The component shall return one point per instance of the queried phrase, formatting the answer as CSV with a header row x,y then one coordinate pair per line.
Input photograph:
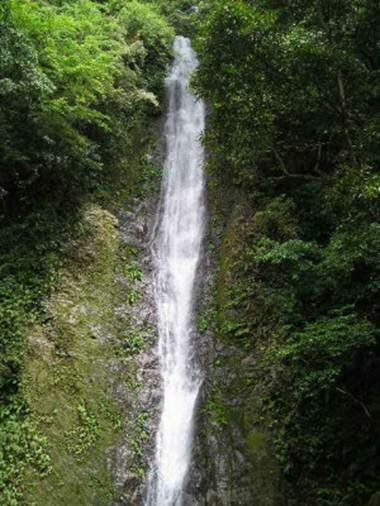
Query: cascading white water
x,y
176,253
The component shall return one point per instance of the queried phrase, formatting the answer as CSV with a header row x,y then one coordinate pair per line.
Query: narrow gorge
x,y
189,253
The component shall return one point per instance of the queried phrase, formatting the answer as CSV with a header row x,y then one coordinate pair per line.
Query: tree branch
x,y
318,162
288,174
363,406
3,193
345,114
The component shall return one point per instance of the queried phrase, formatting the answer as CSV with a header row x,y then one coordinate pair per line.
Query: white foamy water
x,y
176,253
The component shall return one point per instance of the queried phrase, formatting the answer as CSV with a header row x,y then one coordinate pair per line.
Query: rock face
x,y
90,375
375,500
139,399
234,462
130,459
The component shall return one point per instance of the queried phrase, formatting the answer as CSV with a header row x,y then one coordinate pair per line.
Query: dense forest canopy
x,y
293,134
294,125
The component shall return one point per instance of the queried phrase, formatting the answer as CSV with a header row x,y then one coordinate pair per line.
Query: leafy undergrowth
x,y
306,386
31,250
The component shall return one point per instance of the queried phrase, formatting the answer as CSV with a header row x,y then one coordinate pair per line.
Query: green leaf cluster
x,y
76,76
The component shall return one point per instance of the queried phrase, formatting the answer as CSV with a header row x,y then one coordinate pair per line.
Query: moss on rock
x,y
235,436
66,377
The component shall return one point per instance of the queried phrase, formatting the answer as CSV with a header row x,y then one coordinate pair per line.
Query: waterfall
x,y
176,253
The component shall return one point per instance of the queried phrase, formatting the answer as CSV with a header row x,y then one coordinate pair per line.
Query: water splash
x,y
176,254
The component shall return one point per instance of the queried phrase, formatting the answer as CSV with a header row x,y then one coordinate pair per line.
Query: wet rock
x,y
141,392
249,362
131,480
375,500
100,334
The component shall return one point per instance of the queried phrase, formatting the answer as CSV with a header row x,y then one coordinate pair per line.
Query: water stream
x,y
176,253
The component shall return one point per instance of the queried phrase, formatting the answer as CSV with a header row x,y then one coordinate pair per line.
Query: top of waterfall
x,y
181,42
185,60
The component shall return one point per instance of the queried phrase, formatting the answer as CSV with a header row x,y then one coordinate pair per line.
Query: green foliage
x,y
29,255
315,371
79,58
21,445
133,272
216,409
79,76
144,22
325,346
293,128
139,439
84,435
79,82
308,313
289,91
135,341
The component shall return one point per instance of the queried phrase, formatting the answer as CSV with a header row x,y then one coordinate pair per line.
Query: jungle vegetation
x,y
293,134
79,84
294,130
